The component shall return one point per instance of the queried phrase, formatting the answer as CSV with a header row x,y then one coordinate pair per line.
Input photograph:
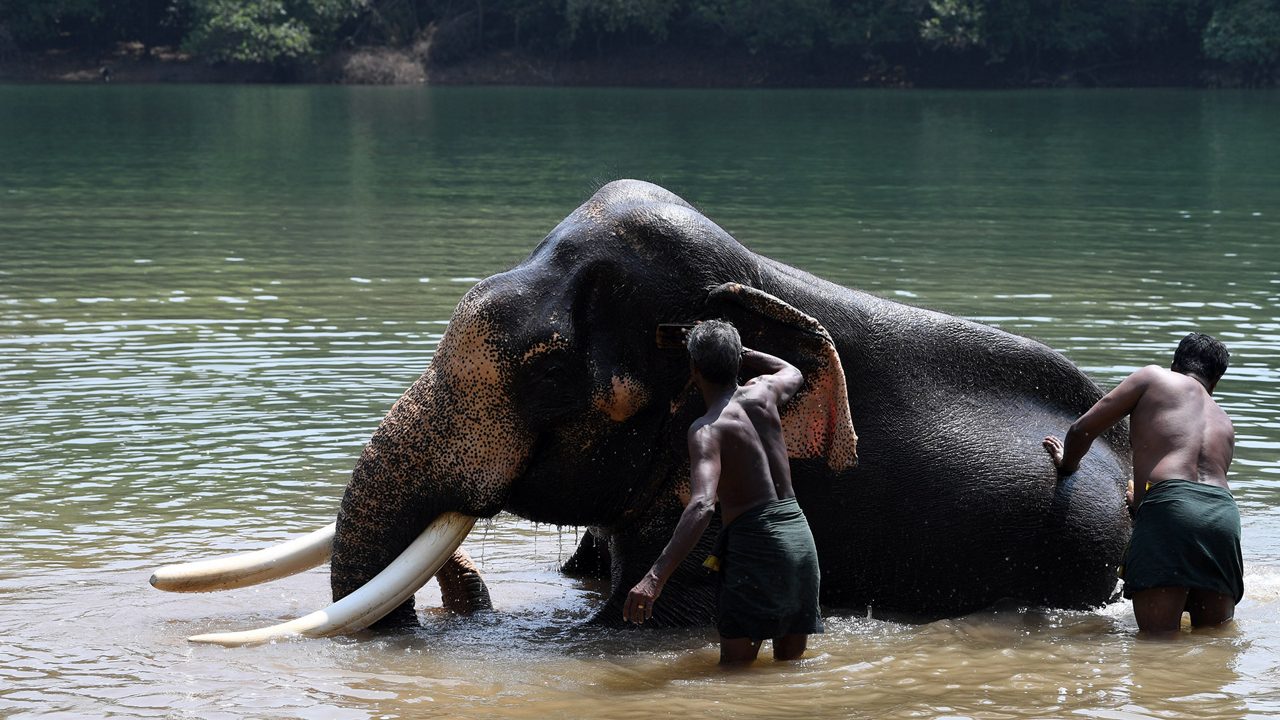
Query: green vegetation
x,y
941,42
1246,36
266,31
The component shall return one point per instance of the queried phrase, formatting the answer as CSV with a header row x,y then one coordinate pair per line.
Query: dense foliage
x,y
934,41
266,30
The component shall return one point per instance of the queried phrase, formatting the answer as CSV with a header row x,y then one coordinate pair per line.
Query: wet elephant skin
x,y
549,398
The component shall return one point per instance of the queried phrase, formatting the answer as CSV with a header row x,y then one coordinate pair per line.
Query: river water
x,y
210,295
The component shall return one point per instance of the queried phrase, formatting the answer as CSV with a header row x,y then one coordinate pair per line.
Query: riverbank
x,y
626,67
128,62
131,63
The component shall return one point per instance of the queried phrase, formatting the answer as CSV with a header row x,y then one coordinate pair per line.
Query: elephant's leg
x,y
591,559
462,590
689,597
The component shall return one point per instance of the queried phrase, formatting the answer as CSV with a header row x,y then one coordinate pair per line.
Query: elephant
x,y
550,397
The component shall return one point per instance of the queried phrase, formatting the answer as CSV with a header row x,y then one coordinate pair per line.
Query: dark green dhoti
x,y
769,574
1185,534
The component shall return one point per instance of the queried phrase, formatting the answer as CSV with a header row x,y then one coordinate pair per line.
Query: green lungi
x,y
1185,534
769,574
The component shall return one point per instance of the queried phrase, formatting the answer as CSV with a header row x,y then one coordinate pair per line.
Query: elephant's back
x,y
950,416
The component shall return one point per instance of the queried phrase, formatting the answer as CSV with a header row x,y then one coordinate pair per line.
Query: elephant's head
x,y
548,396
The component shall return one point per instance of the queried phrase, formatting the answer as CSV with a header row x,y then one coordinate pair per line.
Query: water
x,y
210,295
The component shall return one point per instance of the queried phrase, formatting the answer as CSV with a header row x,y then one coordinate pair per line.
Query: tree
x,y
790,26
955,24
1245,35
35,23
615,16
267,32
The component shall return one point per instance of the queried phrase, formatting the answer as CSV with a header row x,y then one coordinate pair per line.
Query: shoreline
x,y
130,63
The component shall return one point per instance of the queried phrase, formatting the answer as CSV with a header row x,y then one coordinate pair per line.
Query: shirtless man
x,y
1185,551
769,566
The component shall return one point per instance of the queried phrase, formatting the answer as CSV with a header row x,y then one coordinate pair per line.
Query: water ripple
x,y
202,321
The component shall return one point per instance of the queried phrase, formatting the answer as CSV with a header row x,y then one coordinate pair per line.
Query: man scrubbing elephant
x,y
737,455
1185,552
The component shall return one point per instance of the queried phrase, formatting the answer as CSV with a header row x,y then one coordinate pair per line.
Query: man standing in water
x,y
769,565
1185,551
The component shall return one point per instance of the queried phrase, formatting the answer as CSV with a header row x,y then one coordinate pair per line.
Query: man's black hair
x,y
716,350
1202,355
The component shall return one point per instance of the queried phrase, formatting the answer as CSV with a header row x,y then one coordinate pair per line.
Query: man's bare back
x,y
745,432
1176,429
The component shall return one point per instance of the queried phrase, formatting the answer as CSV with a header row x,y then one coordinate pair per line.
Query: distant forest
x,y
847,42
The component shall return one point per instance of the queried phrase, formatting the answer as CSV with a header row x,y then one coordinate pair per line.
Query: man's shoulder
x,y
1163,389
755,392
1149,376
1159,378
707,427
1152,371
702,425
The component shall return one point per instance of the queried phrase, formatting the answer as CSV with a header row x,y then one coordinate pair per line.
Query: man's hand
x,y
1053,446
640,600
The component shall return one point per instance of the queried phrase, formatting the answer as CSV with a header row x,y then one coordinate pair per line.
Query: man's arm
x,y
704,478
780,376
1098,419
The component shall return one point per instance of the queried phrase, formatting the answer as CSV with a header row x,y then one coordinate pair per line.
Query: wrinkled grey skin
x,y
549,398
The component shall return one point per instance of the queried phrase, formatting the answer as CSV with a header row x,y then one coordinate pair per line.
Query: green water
x,y
210,295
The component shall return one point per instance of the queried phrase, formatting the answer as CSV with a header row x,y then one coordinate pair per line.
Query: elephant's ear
x,y
816,423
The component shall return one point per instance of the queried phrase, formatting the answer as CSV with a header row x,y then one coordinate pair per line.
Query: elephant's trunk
x,y
446,454
451,443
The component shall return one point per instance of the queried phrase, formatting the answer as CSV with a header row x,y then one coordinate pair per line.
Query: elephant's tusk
x,y
237,571
384,593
